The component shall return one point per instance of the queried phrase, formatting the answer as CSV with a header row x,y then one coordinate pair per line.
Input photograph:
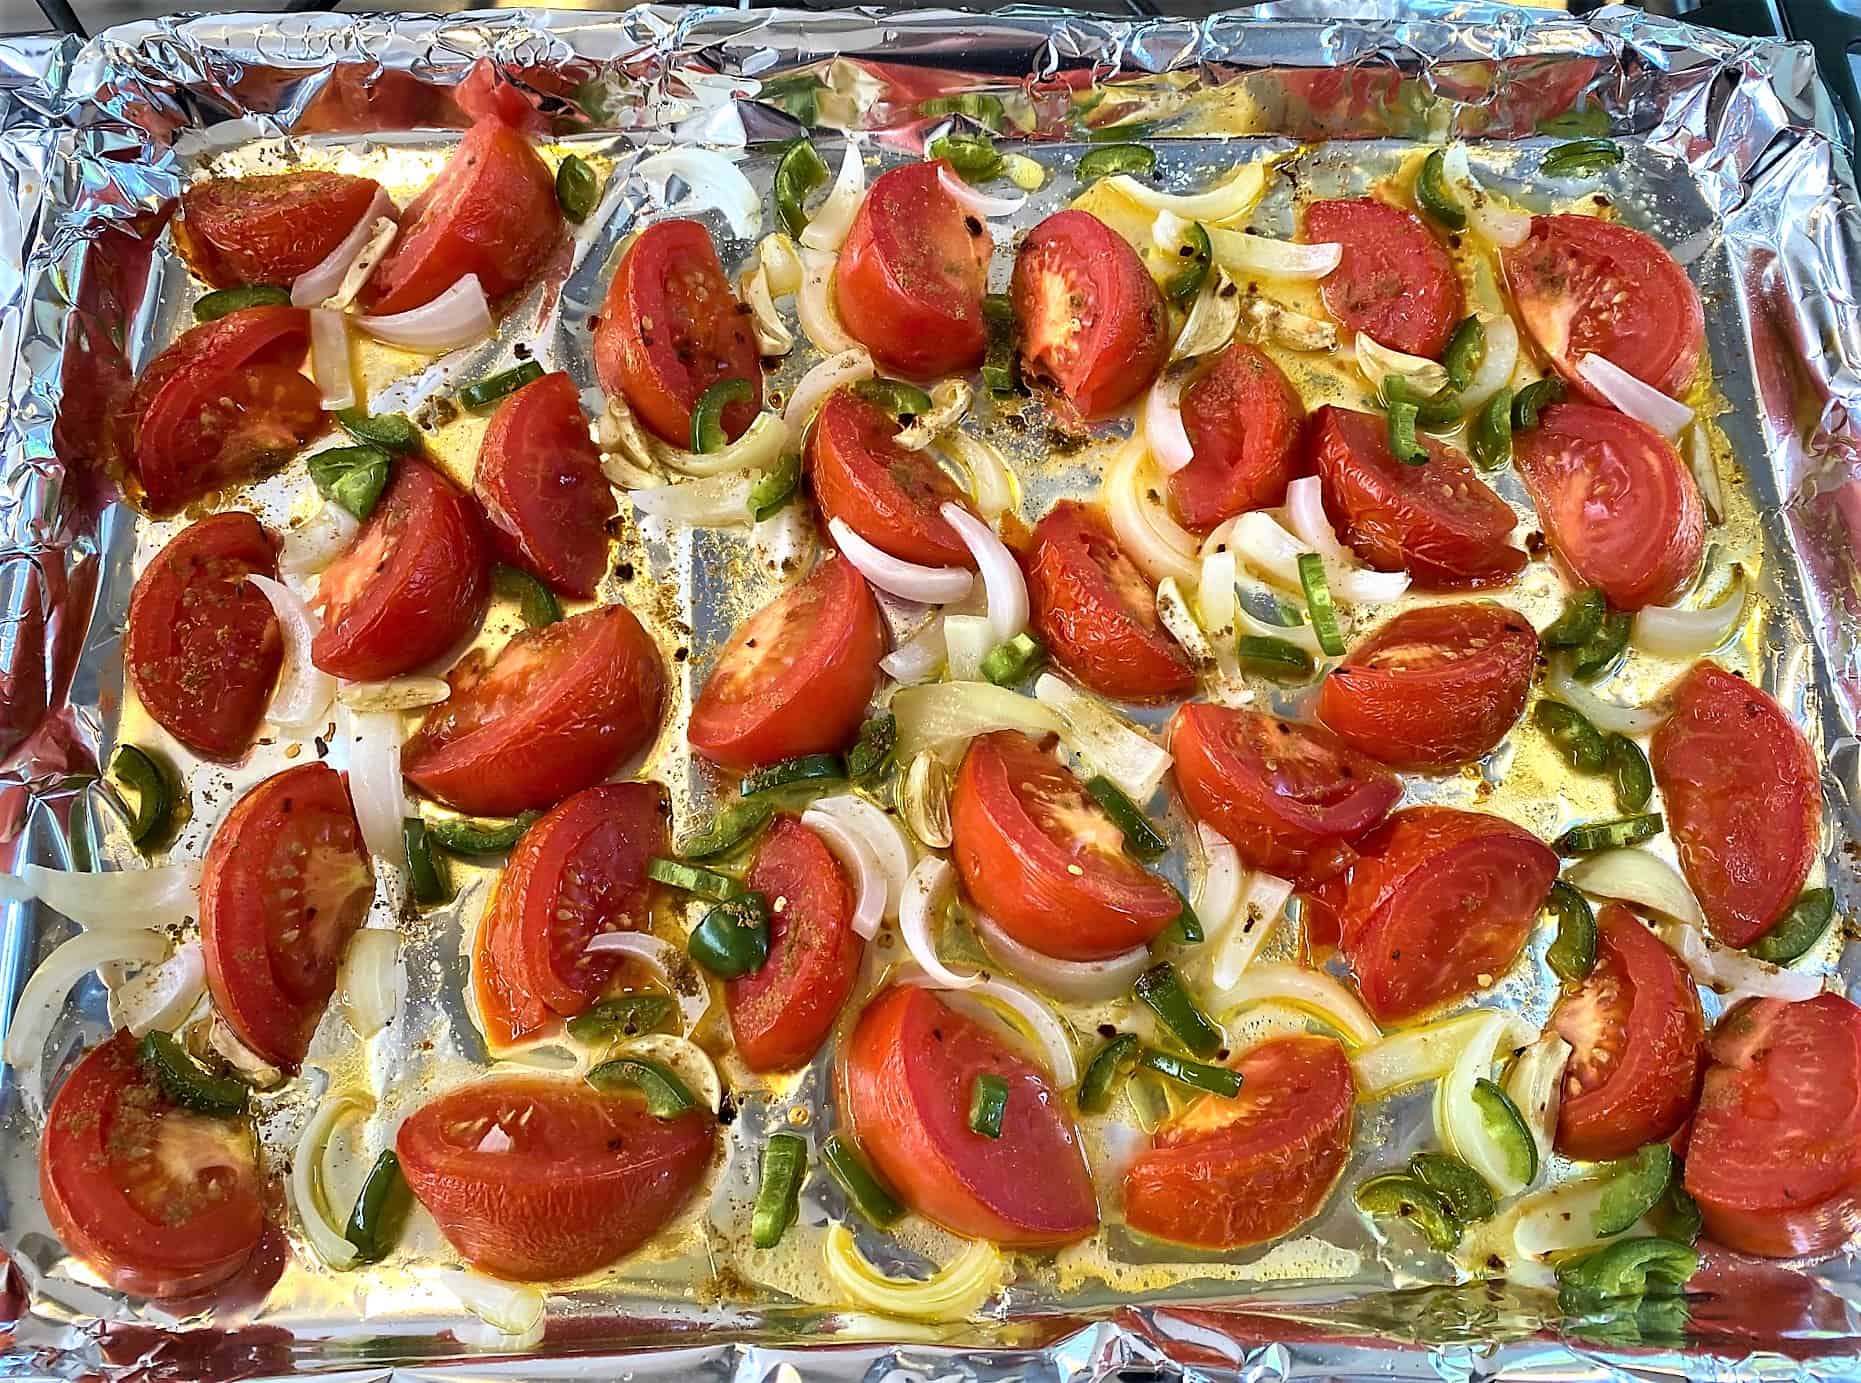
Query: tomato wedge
x,y
539,480
904,1080
161,1202
1092,321
910,278
578,1180
1396,283
1743,800
1433,688
1243,420
796,676
1095,611
1232,1172
670,328
1439,521
1637,1042
1290,797
888,495
202,647
1042,858
285,884
507,1013
559,709
269,228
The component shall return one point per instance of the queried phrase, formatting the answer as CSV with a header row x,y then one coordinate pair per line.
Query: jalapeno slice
x,y
1398,1195
1801,927
1014,660
984,107
1433,196
625,1015
577,188
536,603
1280,659
895,396
1466,349
187,1082
1464,1189
707,415
427,876
1597,654
1161,990
1579,743
973,156
733,938
871,1197
1581,158
479,837
809,768
381,1210
1592,836
1508,1130
1137,160
390,431
733,826
1625,1269
1492,432
488,391
1634,777
1198,1075
689,878
1140,837
873,753
799,171
988,1101
215,305
778,1194
352,477
1577,625
1001,366
1635,1186
1318,602
1533,399
152,784
666,1095
775,487
1107,1072
1677,1216
1572,952
1403,445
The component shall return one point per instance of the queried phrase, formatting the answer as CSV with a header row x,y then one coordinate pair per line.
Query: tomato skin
x,y
1041,857
1243,419
540,483
588,1178
557,710
1289,797
1092,320
1435,687
796,676
1396,281
910,278
884,493
1616,501
269,228
1637,1039
1234,1172
903,1080
412,584
671,328
1743,800
1096,612
202,647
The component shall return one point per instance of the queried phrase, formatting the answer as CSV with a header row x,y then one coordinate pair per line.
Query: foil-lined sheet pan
x,y
1739,158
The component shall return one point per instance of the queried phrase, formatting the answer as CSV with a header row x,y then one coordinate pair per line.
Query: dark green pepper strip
x,y
1636,1185
1572,952
215,305
479,837
1533,399
381,1210
1198,1075
799,172
1001,367
1599,653
1014,661
488,391
427,876
1280,659
1138,160
1508,1128
730,828
1440,409
1581,158
1466,350
809,768
1161,991
984,107
1579,743
776,486
1140,837
1677,1215
778,1194
1577,625
577,188
798,94
1625,1269
1432,194
352,477
535,601
1318,602
872,1198
1464,1189
871,756
895,396
733,938
988,1101
1185,928
666,1095
1403,444
1492,432
1800,928
153,785
1107,1072
1634,778
688,878
1592,836
1401,1196
1197,254
390,431
188,1083
707,415
973,156
625,1015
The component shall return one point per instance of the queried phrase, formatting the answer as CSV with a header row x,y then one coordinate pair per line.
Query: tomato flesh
x,y
887,494
271,227
1243,419
1396,283
540,483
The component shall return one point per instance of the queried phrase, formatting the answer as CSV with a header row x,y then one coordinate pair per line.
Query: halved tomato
x,y
1242,417
559,709
1396,283
1042,858
796,676
887,494
271,227
1240,1171
202,647
910,278
1637,1042
1743,799
1433,688
539,480
160,1201
1290,797
285,884
905,1077
578,1180
1092,321
1438,521
412,584
670,328
1096,612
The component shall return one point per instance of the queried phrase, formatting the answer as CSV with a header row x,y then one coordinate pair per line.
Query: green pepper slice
x,y
1492,432
1677,1216
352,477
1572,952
1198,1075
667,1097
536,603
973,156
1592,836
1185,929
984,107
1433,196
1531,401
733,938
1577,625
486,392
1626,1268
1581,158
1508,1130
1466,350
1001,367
1403,444
1106,160
1197,256
381,1210
187,1082
479,837
871,1197
871,756
895,396
689,878
799,171
988,1101
1107,1072
1438,410
625,1015
152,784
1801,927
707,415
1397,1195
809,768
1014,660
577,188
1579,743
1161,990
776,486
1599,653
427,876
731,827
1634,777
1280,659
215,305
778,1194
392,432
1636,1185
1323,610
1464,1189
1140,837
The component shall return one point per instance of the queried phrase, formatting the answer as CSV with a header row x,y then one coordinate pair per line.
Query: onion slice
x,y
1496,365
1260,907
316,285
828,228
161,996
1600,712
814,304
973,199
1223,876
1223,202
510,1308
304,690
42,998
1245,254
1500,224
1084,981
318,541
1001,574
1414,1056
966,642
1312,991
457,317
950,400
1305,509
329,357
811,390
1536,1083
1164,432
712,181
1037,1019
368,987
1149,535
895,576
1273,552
1668,631
759,448
692,994
1130,758
1213,319
943,717
991,484
887,843
1731,972
395,694
1637,876
954,1292
1458,1121
1379,362
918,657
855,852
372,742
926,892
772,334
1641,401
306,1181
162,895
717,501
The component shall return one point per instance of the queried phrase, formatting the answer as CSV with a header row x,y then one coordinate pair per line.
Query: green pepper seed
x,y
1572,952
381,1210
577,188
486,392
1801,927
733,938
536,603
213,306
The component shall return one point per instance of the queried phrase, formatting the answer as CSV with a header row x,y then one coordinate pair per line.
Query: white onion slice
x,y
693,995
759,448
973,199
161,996
1223,202
318,541
1458,1122
304,689
918,657
1313,991
1629,394
395,694
1127,756
315,285
1305,508
1149,535
1561,1218
1413,1056
1500,224
1179,622
895,576
685,1059
814,304
1379,362
369,985
943,717
1603,714
772,334
1164,432
1243,253
966,642
811,390
950,400
717,501
827,229
329,357
124,899
926,892
1273,552
1261,905
713,181
1668,631
1731,972
1001,574
306,1182
1084,981
457,317
781,263
991,484
1705,470
888,844
1536,1084
1223,877
1213,318
852,849
509,1308
42,998
1496,365
1040,1021
1637,876
372,741
380,241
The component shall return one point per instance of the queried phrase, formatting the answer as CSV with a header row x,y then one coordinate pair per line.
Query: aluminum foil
x,y
1734,155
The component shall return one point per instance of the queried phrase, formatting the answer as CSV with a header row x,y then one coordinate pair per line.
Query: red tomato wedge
x,y
1439,904
796,676
1243,419
491,212
507,1013
1234,1172
1433,688
888,495
904,1080
202,647
1743,800
558,710
1290,797
411,586
1616,501
539,480
161,1202
1637,1040
269,228
1043,859
1586,286
1774,1159
781,1014
224,401
1439,521
1096,612
580,1180
1092,321
670,328
1396,283
910,278
285,884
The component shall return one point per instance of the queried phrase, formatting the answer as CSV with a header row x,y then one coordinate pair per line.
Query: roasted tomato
x,y
796,676
1242,417
910,279
579,1179
507,1013
1233,1172
539,480
1743,800
888,495
269,228
1433,688
1396,283
285,884
904,1081
203,647
1042,858
559,709
1097,613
